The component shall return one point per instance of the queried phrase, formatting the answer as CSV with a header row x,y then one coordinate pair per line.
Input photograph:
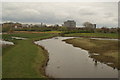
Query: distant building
x,y
25,25
94,26
38,25
70,23
12,25
56,25
17,25
89,25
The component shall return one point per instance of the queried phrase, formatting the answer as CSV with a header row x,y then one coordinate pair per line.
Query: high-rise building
x,y
70,23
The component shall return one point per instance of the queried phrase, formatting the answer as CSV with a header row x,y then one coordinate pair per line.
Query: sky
x,y
100,13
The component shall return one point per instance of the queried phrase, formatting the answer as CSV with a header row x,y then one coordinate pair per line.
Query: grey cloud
x,y
52,13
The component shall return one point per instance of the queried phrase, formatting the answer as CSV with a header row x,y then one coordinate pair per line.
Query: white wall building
x,y
25,25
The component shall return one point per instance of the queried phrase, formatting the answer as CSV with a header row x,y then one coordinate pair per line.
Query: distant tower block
x,y
70,23
94,26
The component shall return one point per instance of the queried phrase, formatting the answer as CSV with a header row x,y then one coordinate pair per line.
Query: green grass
x,y
33,36
54,31
103,35
107,49
24,59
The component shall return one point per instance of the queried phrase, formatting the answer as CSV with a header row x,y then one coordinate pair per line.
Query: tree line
x,y
89,28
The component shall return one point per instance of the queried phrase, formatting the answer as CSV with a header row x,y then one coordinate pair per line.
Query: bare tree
x,y
88,26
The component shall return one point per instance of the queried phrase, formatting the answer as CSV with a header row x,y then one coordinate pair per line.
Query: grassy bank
x,y
107,49
25,59
101,35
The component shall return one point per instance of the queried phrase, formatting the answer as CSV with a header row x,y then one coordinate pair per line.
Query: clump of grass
x,y
101,35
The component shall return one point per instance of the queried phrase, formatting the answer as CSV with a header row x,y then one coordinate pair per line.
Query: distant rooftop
x,y
70,20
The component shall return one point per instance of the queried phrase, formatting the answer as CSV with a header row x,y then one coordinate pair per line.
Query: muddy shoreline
x,y
92,37
46,54
100,57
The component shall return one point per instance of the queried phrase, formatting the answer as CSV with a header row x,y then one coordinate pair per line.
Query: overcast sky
x,y
100,13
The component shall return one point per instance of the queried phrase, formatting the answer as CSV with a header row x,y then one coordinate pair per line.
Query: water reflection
x,y
95,62
66,61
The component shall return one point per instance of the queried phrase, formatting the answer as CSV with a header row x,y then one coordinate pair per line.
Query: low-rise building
x,y
25,25
12,25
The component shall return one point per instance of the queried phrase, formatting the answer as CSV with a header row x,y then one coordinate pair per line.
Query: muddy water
x,y
66,61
